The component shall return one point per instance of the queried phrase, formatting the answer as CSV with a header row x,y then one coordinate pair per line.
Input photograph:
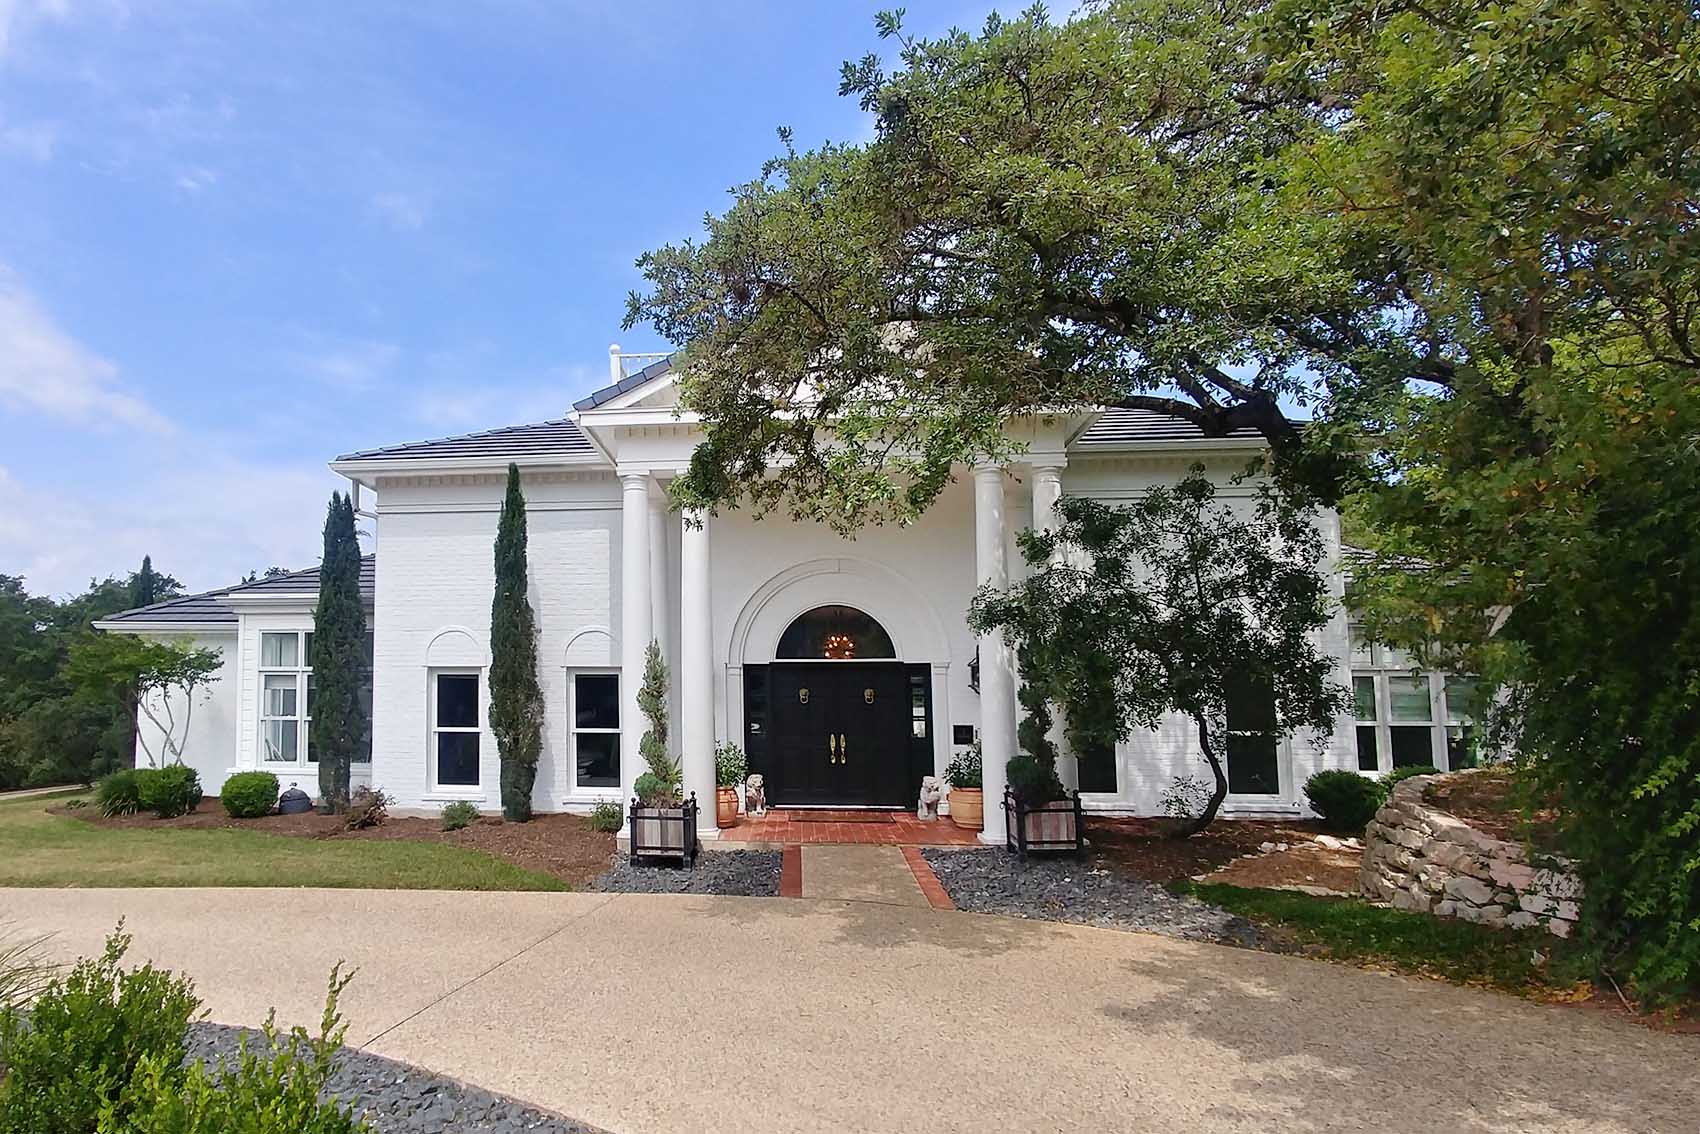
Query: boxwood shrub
x,y
118,793
169,791
249,795
459,814
1346,800
1406,771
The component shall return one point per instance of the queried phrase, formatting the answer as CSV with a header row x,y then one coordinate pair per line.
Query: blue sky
x,y
238,239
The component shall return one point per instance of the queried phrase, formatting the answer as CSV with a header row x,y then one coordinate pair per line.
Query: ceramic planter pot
x,y
967,807
725,807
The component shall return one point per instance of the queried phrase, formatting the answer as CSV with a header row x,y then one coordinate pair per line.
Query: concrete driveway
x,y
647,1013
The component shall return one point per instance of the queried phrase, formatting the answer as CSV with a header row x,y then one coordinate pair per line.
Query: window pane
x,y
1412,746
1463,704
457,759
835,632
1098,768
310,687
278,651
278,742
457,700
366,648
1253,764
279,697
1363,651
598,759
1363,696
1460,747
363,753
596,700
1407,697
1369,758
307,652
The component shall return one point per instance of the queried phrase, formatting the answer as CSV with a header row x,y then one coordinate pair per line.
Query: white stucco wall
x,y
210,742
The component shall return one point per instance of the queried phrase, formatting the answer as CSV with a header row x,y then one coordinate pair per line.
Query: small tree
x,y
339,647
516,699
660,785
155,674
1178,602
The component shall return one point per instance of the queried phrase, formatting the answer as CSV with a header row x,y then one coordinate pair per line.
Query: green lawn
x,y
38,849
1528,962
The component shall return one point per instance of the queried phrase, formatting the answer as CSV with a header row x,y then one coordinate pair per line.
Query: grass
x,y
1527,962
38,849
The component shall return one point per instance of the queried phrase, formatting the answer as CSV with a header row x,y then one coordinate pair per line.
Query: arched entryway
x,y
839,719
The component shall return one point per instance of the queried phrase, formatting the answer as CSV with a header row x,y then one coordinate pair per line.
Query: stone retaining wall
x,y
1418,857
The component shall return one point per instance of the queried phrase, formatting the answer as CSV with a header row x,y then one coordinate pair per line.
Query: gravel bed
x,y
398,1098
1059,889
739,873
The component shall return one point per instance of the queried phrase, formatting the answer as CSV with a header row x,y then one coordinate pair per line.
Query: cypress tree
x,y
516,699
144,585
339,641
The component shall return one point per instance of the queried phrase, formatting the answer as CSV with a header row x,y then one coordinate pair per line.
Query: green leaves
x,y
339,649
516,698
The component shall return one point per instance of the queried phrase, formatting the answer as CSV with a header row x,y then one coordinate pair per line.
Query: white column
x,y
635,622
997,672
660,617
696,668
1047,490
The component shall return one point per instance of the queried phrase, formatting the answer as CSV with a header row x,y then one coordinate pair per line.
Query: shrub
x,y
249,795
1186,797
118,793
606,816
653,791
1346,800
459,814
964,770
368,807
74,1052
1032,779
730,765
1405,772
169,791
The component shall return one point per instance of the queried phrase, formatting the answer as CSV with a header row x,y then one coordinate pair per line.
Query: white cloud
x,y
45,371
357,365
34,140
404,212
196,178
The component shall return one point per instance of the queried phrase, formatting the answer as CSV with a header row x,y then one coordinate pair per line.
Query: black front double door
x,y
841,734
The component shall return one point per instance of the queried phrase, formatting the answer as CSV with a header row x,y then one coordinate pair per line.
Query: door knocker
x,y
803,696
868,696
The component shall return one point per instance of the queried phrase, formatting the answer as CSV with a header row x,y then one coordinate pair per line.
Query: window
x,y
1407,716
595,715
286,698
1254,766
455,730
835,633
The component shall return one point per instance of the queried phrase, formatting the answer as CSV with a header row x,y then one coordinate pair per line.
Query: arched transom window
x,y
835,633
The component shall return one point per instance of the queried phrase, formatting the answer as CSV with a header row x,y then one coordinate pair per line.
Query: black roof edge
x,y
630,382
221,592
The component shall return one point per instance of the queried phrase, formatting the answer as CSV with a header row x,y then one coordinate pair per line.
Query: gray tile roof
x,y
211,609
629,382
1131,426
543,438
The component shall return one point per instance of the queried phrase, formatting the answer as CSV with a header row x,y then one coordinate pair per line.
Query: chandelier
x,y
838,647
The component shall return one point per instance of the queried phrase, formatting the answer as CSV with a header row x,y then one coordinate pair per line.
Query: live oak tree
x,y
340,722
1181,605
516,699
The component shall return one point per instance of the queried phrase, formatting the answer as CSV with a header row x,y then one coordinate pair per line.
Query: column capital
x,y
985,469
633,477
1048,464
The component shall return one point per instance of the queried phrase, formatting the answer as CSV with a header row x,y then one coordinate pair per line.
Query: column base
x,y
988,838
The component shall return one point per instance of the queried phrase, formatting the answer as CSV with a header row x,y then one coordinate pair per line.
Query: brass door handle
x,y
831,749
843,749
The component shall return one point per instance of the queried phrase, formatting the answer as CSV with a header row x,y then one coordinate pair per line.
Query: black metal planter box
x,y
665,832
1054,826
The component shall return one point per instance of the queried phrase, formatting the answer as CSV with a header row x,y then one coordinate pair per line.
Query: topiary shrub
x,y
459,815
1032,779
118,793
249,795
1346,800
1405,772
169,791
368,807
606,816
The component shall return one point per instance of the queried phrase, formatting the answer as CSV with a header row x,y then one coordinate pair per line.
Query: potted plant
x,y
662,825
967,806
730,768
1039,814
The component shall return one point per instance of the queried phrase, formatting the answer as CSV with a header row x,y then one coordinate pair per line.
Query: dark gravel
x,y
741,873
397,1098
1063,889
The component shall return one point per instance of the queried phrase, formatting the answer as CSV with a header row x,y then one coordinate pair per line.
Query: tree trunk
x,y
1216,769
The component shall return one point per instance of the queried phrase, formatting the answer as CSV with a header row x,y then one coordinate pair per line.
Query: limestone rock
x,y
1471,890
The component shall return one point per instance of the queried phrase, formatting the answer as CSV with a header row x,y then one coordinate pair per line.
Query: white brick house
x,y
783,637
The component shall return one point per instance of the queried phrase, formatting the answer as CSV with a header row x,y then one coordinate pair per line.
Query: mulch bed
x,y
1495,803
1146,849
560,845
1303,865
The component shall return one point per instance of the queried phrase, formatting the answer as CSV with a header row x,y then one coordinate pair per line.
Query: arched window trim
x,y
835,632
